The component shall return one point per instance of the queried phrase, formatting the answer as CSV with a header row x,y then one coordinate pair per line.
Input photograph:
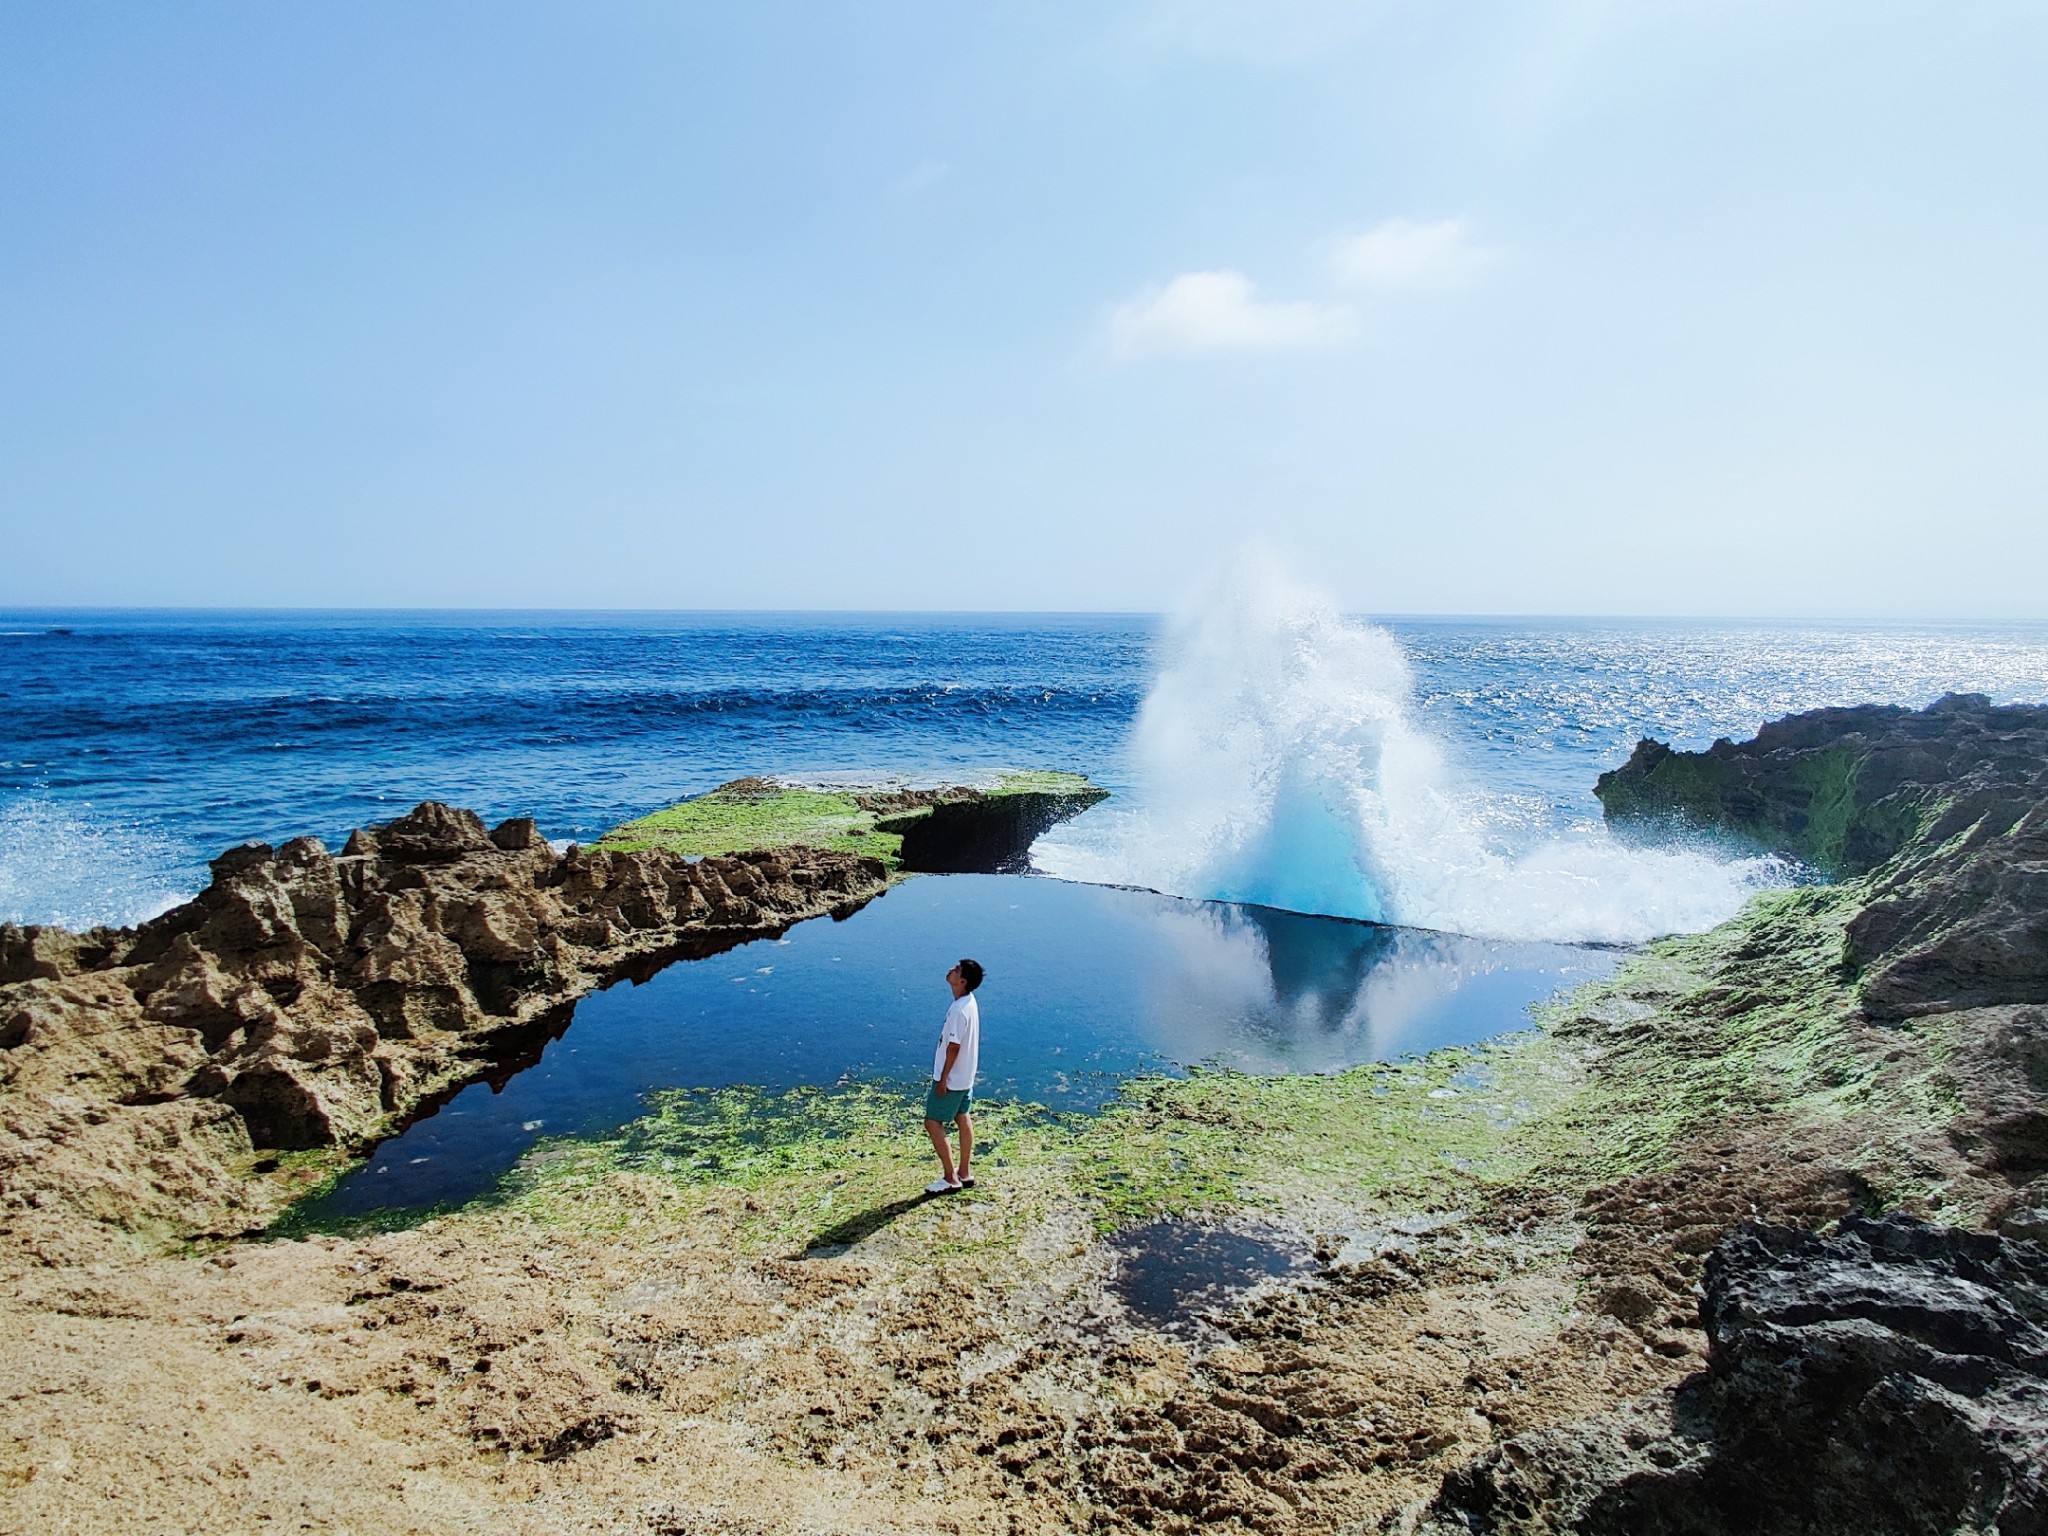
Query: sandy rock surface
x,y
310,1000
643,1368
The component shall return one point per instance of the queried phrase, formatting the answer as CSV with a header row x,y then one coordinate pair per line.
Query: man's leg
x,y
937,1132
966,1146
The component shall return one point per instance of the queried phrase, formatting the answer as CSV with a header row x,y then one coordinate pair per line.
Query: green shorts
x,y
946,1107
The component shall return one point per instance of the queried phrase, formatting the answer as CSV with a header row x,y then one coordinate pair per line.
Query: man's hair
x,y
970,972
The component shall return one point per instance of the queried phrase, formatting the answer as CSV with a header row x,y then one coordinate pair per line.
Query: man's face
x,y
956,981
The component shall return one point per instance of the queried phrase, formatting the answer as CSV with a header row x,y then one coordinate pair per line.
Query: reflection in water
x,y
1318,967
1087,986
1262,990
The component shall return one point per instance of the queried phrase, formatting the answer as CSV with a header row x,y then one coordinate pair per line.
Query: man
x,y
952,1090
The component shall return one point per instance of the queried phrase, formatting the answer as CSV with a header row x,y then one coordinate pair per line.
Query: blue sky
x,y
1637,307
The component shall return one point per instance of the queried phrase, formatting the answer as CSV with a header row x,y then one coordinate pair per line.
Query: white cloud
x,y
1210,312
1407,253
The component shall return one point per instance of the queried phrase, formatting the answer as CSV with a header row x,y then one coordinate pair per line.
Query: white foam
x,y
65,864
1276,760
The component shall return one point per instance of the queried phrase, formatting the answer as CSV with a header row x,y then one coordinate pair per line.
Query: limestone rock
x,y
304,999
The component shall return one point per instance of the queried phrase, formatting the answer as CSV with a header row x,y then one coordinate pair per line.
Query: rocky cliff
x,y
1945,808
1842,789
306,999
950,832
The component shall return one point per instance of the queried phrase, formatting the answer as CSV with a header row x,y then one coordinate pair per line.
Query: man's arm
x,y
952,1055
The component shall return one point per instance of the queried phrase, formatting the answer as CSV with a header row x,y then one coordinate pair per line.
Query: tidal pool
x,y
1087,986
1172,1274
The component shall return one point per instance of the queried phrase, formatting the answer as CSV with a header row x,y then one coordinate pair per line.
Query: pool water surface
x,y
1087,986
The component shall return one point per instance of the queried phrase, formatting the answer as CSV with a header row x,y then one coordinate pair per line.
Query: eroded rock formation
x,y
1845,789
1947,807
1890,1377
306,999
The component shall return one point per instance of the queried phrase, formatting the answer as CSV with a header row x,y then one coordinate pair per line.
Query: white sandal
x,y
941,1187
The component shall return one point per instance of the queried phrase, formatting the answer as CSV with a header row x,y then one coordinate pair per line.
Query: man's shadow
x,y
844,1234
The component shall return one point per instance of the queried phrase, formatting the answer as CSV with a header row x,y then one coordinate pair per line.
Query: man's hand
x,y
952,1055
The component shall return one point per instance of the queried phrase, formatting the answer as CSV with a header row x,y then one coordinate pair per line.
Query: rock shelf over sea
x,y
1746,1239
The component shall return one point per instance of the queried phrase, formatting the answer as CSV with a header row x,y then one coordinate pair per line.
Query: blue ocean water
x,y
136,745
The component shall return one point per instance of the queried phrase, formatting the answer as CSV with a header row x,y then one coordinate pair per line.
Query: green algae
x,y
805,1169
1755,1019
1758,1019
741,820
826,1167
1817,807
752,814
1427,1133
1043,781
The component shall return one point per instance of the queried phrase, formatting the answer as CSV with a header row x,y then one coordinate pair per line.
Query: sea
x,y
1331,838
136,745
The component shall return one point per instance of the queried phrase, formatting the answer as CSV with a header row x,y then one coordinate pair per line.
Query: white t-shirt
x,y
963,1025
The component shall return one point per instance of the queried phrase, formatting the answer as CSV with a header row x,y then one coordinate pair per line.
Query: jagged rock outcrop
x,y
1944,809
308,999
1843,789
1891,1378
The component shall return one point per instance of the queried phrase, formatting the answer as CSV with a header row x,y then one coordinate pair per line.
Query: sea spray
x,y
64,864
1276,760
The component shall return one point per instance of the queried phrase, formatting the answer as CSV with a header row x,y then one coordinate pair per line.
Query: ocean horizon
x,y
138,743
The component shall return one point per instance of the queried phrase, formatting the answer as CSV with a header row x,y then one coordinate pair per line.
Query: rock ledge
x,y
306,1000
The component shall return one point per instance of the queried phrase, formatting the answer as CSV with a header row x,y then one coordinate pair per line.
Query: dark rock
x,y
433,832
1892,1377
521,832
1943,810
981,833
1842,789
241,857
281,1110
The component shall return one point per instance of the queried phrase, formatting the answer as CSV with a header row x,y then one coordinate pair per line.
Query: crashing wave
x,y
1277,761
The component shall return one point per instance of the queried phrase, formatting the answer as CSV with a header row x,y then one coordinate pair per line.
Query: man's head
x,y
964,977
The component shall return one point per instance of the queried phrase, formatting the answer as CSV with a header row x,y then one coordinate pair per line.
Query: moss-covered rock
x,y
1841,789
960,829
1943,811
